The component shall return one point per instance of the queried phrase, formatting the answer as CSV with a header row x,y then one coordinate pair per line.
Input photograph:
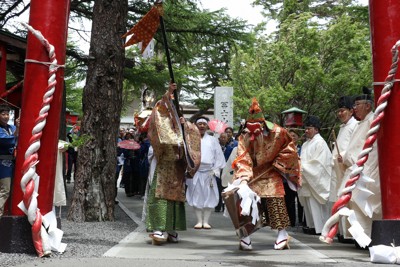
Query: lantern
x,y
293,117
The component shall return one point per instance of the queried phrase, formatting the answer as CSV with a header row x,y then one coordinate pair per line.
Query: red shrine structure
x,y
293,117
51,19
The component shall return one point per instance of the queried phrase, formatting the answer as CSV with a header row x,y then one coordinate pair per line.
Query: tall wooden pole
x,y
169,62
385,32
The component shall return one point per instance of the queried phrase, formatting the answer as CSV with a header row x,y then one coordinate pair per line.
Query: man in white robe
x,y
348,123
316,160
363,107
202,190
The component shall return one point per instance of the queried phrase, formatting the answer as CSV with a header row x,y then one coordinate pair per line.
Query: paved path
x,y
217,247
220,245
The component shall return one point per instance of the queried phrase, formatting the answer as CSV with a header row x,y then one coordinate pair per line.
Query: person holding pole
x,y
366,197
348,123
165,195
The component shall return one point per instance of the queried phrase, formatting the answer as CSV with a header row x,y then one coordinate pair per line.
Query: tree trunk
x,y
94,189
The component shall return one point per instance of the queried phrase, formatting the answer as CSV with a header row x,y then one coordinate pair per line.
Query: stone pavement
x,y
219,246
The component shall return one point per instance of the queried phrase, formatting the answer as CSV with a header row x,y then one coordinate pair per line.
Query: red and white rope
x,y
30,181
331,226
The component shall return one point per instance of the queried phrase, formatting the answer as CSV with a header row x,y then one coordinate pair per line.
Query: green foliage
x,y
323,9
75,73
201,44
78,140
320,52
10,78
304,65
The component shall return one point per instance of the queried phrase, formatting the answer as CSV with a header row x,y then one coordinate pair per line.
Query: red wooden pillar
x,y
3,68
51,19
385,32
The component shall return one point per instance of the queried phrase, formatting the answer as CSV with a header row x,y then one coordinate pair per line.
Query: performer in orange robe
x,y
266,156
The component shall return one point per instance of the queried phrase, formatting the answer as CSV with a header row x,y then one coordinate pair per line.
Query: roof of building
x,y
294,109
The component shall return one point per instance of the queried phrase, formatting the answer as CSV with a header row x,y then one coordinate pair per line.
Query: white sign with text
x,y
223,105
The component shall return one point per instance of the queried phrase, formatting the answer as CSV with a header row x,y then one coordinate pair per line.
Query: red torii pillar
x,y
3,68
385,32
51,19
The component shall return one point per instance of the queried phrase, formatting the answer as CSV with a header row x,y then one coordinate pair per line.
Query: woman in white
x,y
202,191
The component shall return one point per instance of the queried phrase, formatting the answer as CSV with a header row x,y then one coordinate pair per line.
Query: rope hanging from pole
x,y
332,224
41,233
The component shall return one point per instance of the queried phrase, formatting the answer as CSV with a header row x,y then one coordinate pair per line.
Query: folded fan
x,y
217,126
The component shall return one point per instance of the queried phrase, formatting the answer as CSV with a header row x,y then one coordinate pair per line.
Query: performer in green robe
x,y
164,217
165,202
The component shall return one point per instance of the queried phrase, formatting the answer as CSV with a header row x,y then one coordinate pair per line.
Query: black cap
x,y
345,102
366,95
312,121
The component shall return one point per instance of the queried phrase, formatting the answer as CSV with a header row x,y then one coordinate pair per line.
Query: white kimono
x,y
338,169
202,191
60,197
316,160
371,169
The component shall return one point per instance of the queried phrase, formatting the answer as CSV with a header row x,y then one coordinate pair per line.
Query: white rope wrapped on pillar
x,y
42,231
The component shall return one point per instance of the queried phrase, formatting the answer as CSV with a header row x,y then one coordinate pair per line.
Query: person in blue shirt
x,y
8,136
231,143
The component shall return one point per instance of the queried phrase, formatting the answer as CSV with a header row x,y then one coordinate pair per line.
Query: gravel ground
x,y
84,240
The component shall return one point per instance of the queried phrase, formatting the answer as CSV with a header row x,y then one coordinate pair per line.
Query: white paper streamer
x,y
249,199
385,254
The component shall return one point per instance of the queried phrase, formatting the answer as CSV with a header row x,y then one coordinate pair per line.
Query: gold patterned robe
x,y
266,160
167,140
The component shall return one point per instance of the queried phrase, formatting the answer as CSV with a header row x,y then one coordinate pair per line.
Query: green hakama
x,y
164,215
